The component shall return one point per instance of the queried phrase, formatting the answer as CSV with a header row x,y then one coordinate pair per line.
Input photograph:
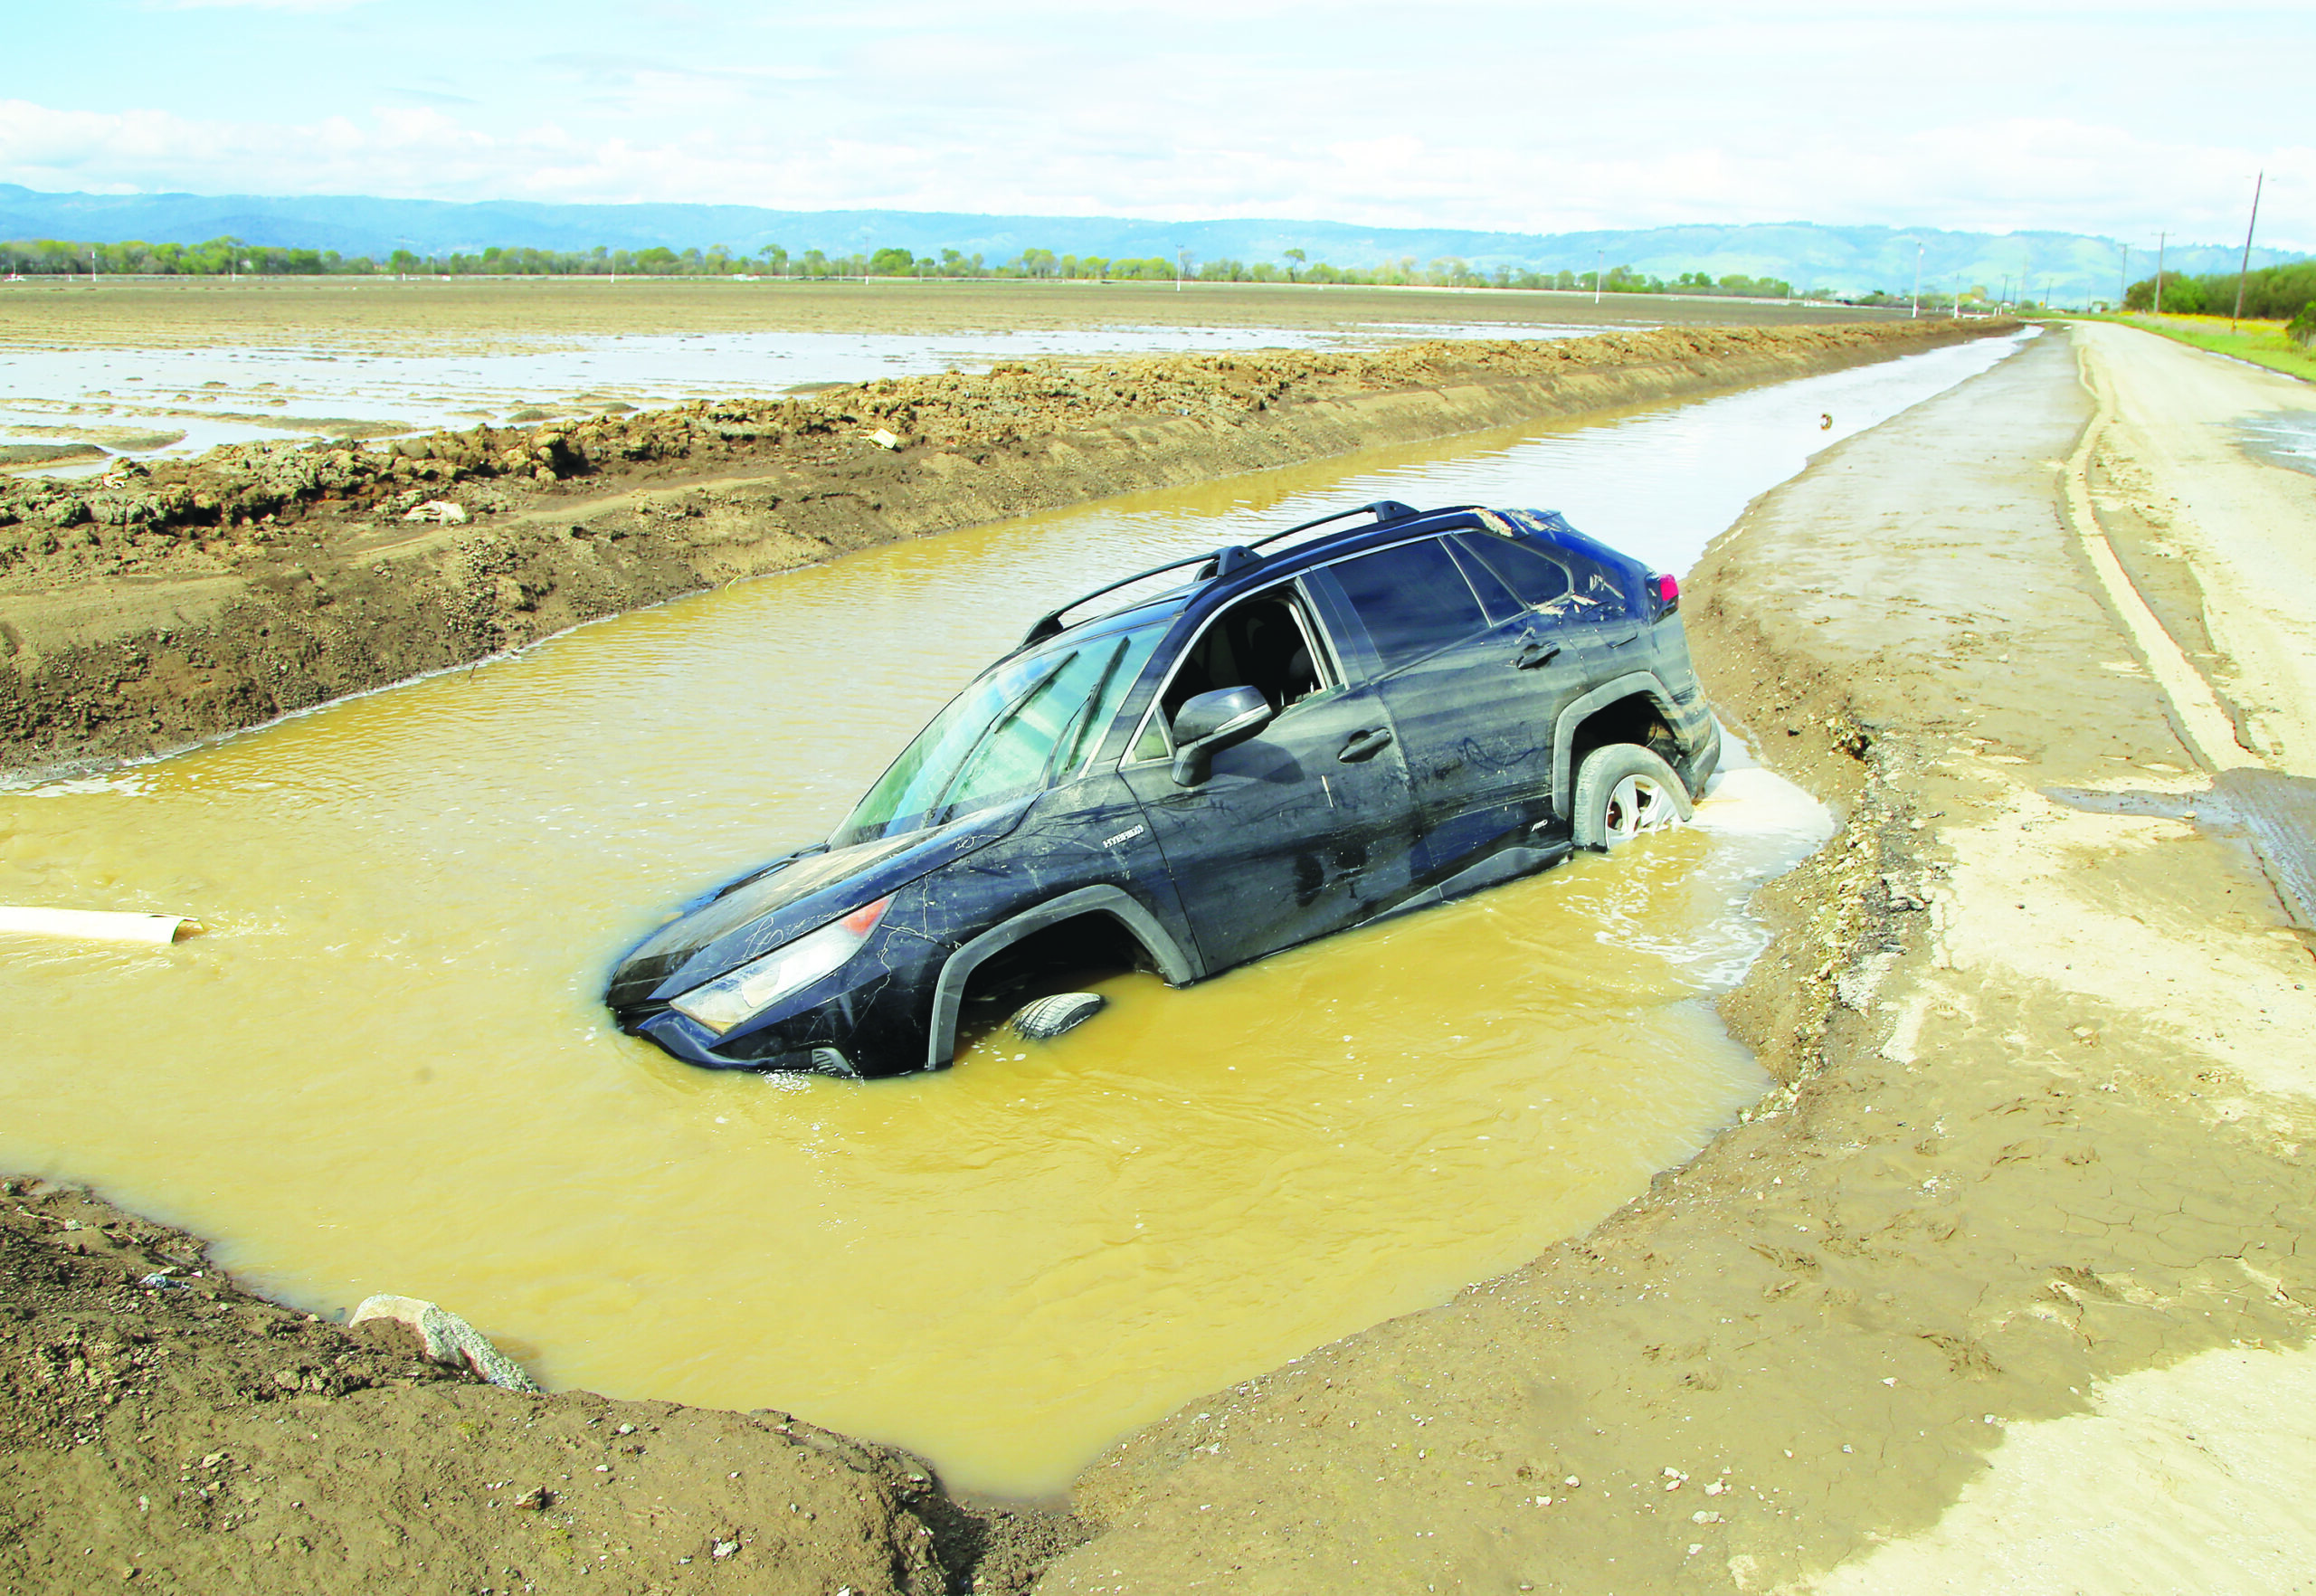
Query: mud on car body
x,y
1371,720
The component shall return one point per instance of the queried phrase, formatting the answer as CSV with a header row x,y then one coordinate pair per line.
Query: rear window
x,y
1413,600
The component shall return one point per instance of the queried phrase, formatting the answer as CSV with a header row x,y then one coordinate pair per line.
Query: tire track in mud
x,y
2275,811
2202,720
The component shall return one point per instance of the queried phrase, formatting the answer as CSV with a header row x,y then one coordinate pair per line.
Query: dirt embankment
x,y
149,608
160,1426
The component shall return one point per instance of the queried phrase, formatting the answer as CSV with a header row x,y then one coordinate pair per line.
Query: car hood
x,y
784,901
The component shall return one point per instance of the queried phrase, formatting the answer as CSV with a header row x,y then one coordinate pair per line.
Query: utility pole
x,y
2123,278
1916,311
2240,271
2160,240
1185,256
1598,256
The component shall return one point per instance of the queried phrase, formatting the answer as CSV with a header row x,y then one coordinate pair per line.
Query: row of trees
x,y
2273,293
221,257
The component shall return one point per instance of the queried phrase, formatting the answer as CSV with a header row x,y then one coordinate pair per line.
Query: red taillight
x,y
1668,593
863,920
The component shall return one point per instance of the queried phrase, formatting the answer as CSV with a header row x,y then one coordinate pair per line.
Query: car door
x,y
1452,676
1305,827
1603,617
1557,627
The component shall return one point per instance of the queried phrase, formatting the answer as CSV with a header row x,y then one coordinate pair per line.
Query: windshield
x,y
1004,738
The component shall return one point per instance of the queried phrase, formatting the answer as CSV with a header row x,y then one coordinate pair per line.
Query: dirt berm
x,y
149,608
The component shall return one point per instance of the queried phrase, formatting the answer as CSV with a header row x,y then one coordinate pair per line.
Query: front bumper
x,y
868,1017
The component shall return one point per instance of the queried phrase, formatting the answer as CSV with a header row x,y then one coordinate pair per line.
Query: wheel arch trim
x,y
1645,682
949,991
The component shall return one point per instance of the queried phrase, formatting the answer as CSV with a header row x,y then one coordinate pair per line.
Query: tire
x,y
1048,1017
1623,789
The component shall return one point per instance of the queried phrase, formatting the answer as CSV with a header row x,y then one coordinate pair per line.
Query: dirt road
x,y
2008,1288
2172,486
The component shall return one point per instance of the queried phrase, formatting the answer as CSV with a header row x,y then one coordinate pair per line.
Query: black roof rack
x,y
1223,561
1049,624
1383,510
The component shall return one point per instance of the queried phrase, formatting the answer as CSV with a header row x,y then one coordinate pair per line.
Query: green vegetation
x,y
2273,293
2272,344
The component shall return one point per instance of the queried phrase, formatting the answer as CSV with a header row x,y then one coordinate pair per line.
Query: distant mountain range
x,y
2072,268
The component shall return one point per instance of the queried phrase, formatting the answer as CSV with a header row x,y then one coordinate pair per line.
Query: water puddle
x,y
2275,813
385,1068
2286,438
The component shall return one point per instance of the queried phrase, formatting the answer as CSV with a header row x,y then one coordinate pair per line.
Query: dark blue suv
x,y
1332,725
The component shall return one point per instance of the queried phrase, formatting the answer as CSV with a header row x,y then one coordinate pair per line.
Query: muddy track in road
x,y
148,608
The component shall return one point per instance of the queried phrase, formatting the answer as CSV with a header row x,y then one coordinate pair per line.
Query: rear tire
x,y
1048,1017
1623,789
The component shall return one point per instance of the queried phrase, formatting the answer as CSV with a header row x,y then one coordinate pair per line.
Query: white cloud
x,y
1996,177
253,5
1495,114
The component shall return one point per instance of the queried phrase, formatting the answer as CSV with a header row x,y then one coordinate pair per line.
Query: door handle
x,y
1364,744
1532,654
1619,642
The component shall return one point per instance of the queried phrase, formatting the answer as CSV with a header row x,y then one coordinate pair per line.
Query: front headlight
x,y
761,983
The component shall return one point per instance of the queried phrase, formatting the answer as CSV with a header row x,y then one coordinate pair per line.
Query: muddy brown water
x,y
385,1068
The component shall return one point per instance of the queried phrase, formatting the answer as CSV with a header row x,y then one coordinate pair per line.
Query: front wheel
x,y
1048,1017
1623,789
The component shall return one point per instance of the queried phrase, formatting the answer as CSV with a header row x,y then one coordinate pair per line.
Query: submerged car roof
x,y
1224,572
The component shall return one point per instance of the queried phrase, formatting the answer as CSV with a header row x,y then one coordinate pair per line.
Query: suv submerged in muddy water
x,y
1373,719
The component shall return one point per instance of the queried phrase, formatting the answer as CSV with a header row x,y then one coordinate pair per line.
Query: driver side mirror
x,y
1211,722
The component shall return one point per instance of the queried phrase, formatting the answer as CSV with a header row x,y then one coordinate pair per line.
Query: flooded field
x,y
385,1067
149,403
153,370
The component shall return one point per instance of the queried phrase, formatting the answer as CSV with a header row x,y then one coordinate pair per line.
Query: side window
x,y
1265,641
1413,600
1534,577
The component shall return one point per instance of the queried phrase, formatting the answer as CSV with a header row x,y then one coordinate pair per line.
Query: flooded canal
x,y
385,1068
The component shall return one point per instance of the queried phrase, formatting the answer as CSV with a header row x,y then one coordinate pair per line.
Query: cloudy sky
x,y
2119,118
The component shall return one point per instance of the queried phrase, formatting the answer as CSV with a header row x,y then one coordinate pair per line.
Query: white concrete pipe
x,y
98,926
